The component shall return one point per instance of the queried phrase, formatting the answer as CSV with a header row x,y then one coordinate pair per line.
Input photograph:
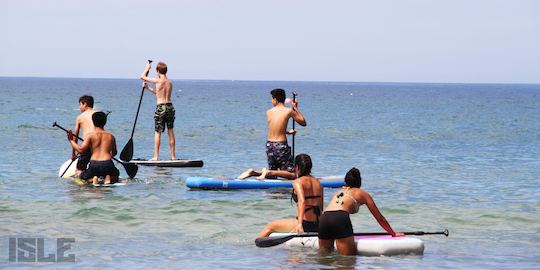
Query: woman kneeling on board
x,y
335,223
309,194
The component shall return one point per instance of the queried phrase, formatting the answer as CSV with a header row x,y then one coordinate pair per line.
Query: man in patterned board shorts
x,y
164,115
278,152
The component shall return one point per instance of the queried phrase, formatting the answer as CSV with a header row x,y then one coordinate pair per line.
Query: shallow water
x,y
434,156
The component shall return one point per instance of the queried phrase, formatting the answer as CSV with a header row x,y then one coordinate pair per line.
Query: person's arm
x,y
377,214
147,87
297,115
113,145
300,205
77,127
144,75
79,148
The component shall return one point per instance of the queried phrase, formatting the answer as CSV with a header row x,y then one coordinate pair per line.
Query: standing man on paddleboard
x,y
278,151
164,115
83,122
103,147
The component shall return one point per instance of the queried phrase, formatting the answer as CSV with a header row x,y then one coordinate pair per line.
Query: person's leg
x,y
326,244
157,141
248,173
263,175
272,174
107,179
172,143
280,225
346,246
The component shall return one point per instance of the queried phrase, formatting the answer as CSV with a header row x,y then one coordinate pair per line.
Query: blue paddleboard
x,y
251,183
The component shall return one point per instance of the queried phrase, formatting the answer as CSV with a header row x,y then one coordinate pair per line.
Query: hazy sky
x,y
366,41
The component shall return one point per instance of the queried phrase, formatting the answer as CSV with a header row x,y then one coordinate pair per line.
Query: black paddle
x,y
127,152
276,240
294,94
131,169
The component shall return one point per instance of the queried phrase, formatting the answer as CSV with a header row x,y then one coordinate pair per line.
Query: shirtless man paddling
x,y
164,115
278,152
83,123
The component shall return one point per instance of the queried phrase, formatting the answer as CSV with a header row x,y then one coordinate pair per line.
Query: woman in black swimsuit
x,y
335,223
309,193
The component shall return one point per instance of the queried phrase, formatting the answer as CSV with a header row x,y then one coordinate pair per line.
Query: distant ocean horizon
x,y
458,156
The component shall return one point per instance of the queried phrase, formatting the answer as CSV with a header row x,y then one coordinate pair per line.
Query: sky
x,y
454,41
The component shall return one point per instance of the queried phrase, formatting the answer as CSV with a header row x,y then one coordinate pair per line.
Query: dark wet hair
x,y
88,100
99,119
303,161
353,178
278,94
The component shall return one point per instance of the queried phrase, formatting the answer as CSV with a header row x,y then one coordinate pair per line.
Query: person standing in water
x,y
278,152
83,123
164,114
335,223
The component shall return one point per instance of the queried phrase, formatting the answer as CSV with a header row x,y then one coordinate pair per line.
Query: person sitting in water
x,y
335,223
103,147
309,194
278,152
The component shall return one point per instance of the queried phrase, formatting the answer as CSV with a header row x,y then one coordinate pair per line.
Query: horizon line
x,y
292,81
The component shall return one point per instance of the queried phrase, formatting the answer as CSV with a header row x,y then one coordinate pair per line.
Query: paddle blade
x,y
271,241
127,152
131,169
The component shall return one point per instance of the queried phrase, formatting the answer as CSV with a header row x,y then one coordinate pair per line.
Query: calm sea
x,y
465,157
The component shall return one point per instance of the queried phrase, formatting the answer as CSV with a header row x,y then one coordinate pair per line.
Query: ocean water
x,y
462,157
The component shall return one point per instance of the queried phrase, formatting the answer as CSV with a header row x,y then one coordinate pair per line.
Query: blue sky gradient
x,y
483,41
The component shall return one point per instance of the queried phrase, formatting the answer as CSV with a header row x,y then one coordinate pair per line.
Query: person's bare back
x,y
103,144
278,118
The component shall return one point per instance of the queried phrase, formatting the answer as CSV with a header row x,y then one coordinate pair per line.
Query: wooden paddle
x,y
276,240
131,169
127,152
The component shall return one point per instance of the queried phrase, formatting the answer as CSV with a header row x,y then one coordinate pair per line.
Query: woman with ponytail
x,y
335,223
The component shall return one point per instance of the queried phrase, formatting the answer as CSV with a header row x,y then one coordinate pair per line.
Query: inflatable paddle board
x,y
251,183
376,245
168,163
69,169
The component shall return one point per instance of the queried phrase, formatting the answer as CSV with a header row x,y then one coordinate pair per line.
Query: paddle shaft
x,y
276,240
293,124
139,107
131,169
67,168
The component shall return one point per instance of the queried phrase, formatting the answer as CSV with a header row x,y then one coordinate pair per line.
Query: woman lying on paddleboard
x,y
309,196
335,223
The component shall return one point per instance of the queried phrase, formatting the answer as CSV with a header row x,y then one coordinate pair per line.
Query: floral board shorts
x,y
279,156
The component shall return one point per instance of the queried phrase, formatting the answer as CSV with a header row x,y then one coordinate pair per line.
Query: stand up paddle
x,y
271,241
294,94
131,169
127,152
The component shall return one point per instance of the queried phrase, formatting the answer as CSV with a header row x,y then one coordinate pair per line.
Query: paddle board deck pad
x,y
70,169
250,183
168,163
378,245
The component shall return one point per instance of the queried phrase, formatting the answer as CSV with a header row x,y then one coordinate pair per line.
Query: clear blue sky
x,y
385,41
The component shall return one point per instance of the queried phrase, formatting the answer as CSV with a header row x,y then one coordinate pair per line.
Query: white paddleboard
x,y
378,245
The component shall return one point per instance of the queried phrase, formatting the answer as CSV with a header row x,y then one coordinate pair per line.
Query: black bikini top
x,y
315,208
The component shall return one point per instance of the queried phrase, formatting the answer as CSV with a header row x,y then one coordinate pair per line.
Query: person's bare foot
x,y
173,157
264,172
153,159
95,180
250,172
107,180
